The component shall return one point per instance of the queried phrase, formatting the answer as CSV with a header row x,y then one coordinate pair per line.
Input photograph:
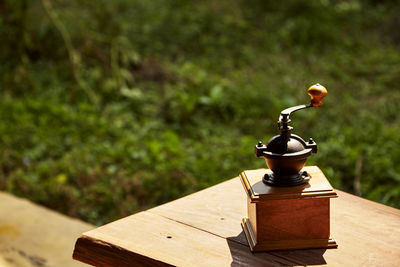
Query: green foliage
x,y
110,107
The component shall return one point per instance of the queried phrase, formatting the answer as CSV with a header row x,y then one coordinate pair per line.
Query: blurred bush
x,y
110,107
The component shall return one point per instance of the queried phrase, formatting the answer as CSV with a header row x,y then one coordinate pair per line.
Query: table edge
x,y
88,248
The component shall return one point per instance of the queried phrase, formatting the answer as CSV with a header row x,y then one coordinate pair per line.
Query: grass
x,y
111,107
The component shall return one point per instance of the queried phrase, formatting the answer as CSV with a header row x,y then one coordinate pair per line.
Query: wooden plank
x,y
152,240
205,230
31,235
99,253
219,209
366,232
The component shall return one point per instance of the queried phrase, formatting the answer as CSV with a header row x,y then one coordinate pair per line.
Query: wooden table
x,y
203,229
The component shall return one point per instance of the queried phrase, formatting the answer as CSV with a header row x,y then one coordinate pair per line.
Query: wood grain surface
x,y
203,229
259,191
35,236
283,244
293,219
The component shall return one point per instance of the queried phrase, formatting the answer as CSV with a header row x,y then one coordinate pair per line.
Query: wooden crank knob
x,y
317,92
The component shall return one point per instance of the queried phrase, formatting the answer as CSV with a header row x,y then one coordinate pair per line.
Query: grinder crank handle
x,y
317,92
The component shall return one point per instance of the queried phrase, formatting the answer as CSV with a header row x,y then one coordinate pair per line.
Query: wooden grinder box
x,y
281,218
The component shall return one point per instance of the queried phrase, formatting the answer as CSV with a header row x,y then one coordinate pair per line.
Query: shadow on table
x,y
242,256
